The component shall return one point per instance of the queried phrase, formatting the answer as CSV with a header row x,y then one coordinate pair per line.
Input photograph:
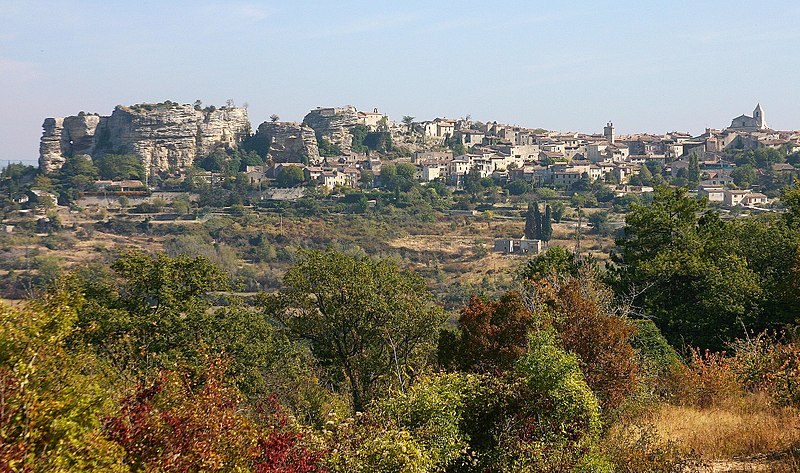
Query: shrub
x,y
581,312
657,358
707,380
639,448
765,363
494,333
52,393
362,444
433,411
173,424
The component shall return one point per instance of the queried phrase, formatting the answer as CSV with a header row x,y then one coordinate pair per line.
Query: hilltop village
x,y
342,148
182,163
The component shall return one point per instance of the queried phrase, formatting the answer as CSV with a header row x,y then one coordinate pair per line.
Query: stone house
x,y
596,151
714,194
371,119
551,156
735,197
256,174
566,178
469,138
754,198
517,246
430,171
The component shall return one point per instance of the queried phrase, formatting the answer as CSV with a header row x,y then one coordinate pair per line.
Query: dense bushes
x,y
156,367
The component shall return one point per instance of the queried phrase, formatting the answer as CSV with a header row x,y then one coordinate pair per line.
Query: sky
x,y
647,66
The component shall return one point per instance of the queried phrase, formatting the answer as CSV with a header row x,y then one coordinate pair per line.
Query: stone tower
x,y
608,132
758,116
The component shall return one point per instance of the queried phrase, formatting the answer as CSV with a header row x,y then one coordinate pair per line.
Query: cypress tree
x,y
547,224
530,223
694,171
537,219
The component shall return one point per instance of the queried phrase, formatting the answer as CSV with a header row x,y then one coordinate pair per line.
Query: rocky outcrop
x,y
68,136
52,149
167,137
334,124
290,142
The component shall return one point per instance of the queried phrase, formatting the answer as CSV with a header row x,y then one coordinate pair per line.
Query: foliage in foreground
x,y
142,370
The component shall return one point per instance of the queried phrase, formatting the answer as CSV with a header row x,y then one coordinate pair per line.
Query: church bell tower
x,y
608,132
758,116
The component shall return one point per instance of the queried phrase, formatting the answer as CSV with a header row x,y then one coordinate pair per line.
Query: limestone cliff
x,y
64,137
51,147
290,142
334,124
167,137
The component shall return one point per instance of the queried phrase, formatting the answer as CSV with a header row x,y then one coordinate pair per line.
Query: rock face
x,y
51,148
64,137
167,137
290,142
334,124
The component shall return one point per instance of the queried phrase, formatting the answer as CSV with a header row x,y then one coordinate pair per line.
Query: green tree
x,y
327,148
744,176
599,221
558,211
78,172
433,412
547,224
368,323
518,187
54,392
217,161
693,172
157,313
533,222
359,134
182,205
646,176
290,176
541,417
679,265
406,171
379,141
790,196
556,262
120,166
366,177
582,185
472,182
389,176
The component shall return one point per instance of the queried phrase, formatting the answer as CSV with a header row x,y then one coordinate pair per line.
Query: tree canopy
x,y
368,323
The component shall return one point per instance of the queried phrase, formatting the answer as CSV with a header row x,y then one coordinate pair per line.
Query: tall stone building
x,y
608,132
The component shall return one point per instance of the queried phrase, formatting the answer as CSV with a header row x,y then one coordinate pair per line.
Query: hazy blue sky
x,y
647,65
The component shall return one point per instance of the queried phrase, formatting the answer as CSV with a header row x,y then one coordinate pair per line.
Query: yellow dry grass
x,y
734,428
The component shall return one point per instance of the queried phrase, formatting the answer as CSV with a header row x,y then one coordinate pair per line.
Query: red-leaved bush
x,y
581,311
172,425
494,333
